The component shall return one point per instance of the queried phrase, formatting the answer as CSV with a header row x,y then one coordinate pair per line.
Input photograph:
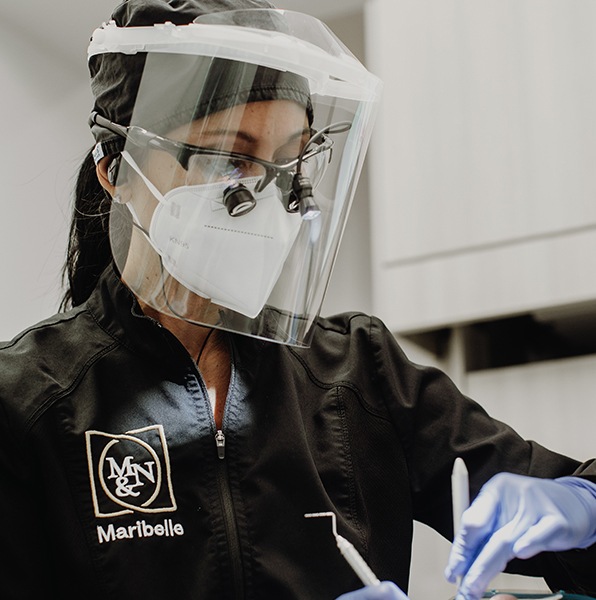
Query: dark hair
x,y
88,253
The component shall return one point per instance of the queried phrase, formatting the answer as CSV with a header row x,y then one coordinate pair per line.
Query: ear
x,y
102,169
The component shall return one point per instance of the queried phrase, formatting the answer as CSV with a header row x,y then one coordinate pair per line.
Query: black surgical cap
x,y
116,77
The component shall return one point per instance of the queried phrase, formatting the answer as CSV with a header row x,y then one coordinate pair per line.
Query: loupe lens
x,y
238,200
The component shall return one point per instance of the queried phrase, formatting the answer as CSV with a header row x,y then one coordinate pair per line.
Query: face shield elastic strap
x,y
295,185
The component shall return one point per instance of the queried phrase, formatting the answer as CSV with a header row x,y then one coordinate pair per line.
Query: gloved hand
x,y
386,591
518,516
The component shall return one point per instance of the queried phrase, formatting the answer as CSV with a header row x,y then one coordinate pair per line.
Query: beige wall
x,y
44,110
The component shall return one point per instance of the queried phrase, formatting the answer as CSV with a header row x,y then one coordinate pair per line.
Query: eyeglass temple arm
x,y
96,119
339,127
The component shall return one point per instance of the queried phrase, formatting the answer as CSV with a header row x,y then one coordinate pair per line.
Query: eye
x,y
291,150
240,168
314,167
206,168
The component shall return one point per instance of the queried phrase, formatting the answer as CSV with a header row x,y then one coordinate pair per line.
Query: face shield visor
x,y
237,168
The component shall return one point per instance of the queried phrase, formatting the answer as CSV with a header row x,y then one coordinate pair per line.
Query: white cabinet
x,y
483,163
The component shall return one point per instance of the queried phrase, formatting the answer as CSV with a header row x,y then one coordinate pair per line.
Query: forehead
x,y
271,119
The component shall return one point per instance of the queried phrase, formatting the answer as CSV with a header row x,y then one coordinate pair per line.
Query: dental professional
x,y
165,434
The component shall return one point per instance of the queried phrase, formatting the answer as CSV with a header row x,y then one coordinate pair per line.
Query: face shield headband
x,y
232,191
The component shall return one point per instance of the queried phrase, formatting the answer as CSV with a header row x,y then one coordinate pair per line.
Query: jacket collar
x,y
116,310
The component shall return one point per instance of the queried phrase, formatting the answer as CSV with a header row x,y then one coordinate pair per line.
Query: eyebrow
x,y
247,137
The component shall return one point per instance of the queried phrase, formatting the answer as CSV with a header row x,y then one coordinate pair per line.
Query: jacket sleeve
x,y
436,423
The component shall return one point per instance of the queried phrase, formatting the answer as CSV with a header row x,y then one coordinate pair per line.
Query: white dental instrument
x,y
460,492
350,553
460,495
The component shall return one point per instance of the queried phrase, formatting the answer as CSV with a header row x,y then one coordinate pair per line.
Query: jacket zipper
x,y
220,442
225,494
229,517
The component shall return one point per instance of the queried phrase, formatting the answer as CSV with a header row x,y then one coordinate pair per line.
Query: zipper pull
x,y
220,442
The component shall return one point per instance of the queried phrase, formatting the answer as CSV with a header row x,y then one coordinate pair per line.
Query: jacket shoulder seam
x,y
48,402
339,383
39,326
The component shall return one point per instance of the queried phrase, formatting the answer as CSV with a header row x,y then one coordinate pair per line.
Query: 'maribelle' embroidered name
x,y
141,529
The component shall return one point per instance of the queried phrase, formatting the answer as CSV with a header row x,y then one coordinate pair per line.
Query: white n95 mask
x,y
234,261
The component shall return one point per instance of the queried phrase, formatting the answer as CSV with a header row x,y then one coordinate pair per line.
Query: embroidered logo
x,y
130,472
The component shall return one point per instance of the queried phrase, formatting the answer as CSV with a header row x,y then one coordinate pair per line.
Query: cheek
x,y
164,172
144,205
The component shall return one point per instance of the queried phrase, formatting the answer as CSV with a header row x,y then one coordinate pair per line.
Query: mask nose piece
x,y
238,200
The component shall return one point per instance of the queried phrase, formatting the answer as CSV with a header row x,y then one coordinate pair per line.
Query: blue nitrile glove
x,y
515,516
386,591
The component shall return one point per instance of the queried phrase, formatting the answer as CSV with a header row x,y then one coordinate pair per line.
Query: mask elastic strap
x,y
131,161
236,197
158,195
137,223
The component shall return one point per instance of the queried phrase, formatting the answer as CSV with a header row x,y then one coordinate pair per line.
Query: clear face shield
x,y
239,166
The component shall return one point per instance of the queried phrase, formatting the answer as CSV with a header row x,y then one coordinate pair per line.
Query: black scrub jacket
x,y
116,484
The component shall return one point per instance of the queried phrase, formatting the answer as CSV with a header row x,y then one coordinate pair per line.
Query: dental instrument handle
x,y
356,561
460,491
348,551
460,496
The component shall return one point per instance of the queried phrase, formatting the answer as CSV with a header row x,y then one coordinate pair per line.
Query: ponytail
x,y
88,252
